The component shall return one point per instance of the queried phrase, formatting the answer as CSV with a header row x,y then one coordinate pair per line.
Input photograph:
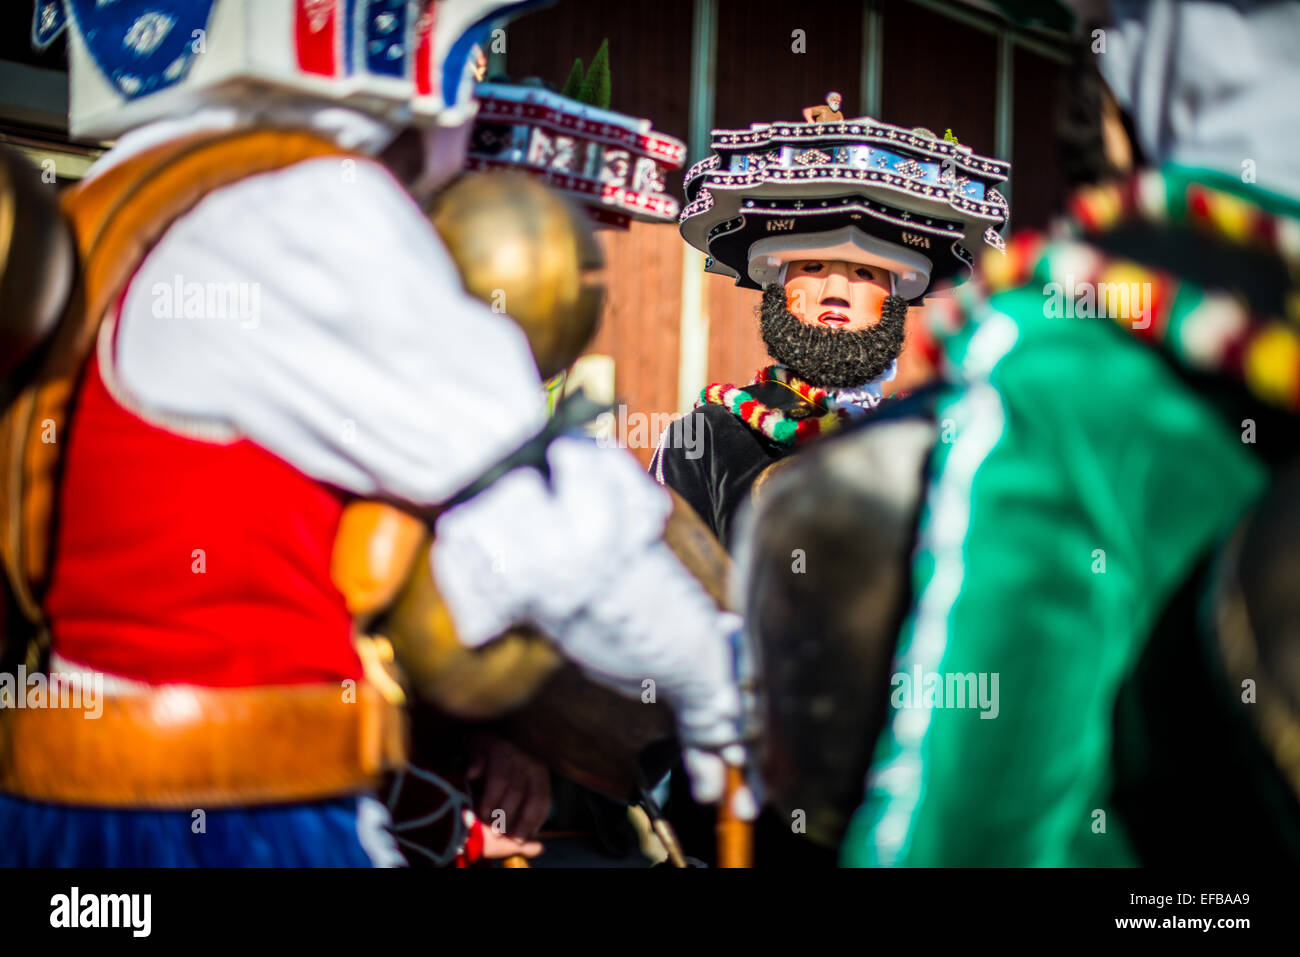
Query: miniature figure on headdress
x,y
828,113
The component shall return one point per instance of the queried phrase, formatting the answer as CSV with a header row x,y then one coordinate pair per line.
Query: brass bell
x,y
524,250
37,266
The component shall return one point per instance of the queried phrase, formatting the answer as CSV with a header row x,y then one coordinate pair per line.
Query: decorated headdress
x,y
857,190
135,61
612,164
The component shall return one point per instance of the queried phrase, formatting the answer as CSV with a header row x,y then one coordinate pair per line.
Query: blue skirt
x,y
320,834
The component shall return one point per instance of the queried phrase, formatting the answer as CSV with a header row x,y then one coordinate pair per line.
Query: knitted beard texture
x,y
828,357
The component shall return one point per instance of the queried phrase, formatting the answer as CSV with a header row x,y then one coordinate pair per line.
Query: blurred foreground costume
x,y
613,166
1082,535
829,197
223,464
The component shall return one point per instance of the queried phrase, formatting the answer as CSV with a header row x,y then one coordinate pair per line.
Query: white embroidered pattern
x,y
148,31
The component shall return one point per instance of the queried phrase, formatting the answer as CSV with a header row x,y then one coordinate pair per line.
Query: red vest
x,y
180,560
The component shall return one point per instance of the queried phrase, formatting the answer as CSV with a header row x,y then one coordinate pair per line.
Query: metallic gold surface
x,y
37,262
668,837
6,213
522,249
469,683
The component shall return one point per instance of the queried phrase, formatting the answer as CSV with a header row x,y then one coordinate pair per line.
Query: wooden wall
x,y
649,54
641,326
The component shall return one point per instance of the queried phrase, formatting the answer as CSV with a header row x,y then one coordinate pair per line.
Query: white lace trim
x,y
866,396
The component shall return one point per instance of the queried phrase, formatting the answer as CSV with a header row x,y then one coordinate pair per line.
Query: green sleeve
x,y
1061,514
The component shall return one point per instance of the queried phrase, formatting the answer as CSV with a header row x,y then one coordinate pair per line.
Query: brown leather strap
x,y
117,217
181,746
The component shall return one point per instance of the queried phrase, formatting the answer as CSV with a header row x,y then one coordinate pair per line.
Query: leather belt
x,y
181,746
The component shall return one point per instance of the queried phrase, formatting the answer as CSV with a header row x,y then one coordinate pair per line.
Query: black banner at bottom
x,y
230,907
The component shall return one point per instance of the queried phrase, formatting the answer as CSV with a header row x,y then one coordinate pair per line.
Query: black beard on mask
x,y
828,357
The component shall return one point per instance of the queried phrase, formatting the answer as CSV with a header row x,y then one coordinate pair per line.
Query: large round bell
x,y
525,251
37,267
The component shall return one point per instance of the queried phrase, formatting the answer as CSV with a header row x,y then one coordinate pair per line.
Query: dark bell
x,y
37,265
826,640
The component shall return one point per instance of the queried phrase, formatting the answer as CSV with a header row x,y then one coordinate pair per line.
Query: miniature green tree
x,y
573,85
596,84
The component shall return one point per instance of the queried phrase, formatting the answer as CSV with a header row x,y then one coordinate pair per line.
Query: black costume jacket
x,y
711,457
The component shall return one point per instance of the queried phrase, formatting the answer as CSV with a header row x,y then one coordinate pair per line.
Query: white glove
x,y
584,562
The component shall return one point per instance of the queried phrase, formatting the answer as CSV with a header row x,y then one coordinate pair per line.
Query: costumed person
x,y
841,225
223,464
1103,497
